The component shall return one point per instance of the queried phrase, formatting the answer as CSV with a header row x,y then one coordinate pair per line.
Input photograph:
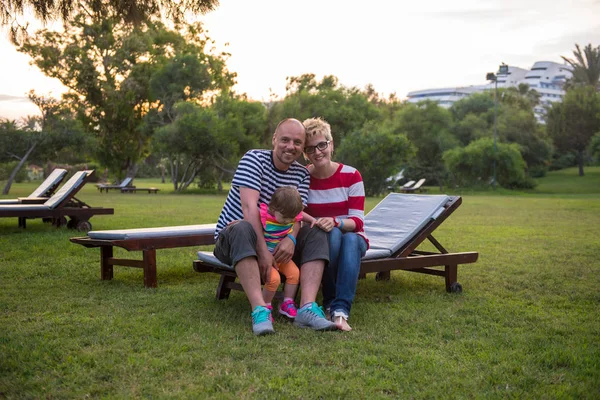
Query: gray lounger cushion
x,y
25,207
51,181
145,233
209,258
42,190
398,217
76,180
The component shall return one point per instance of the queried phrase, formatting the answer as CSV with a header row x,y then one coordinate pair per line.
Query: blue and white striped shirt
x,y
257,171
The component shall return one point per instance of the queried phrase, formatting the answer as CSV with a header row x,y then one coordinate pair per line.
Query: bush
x,y
7,168
594,149
473,165
562,161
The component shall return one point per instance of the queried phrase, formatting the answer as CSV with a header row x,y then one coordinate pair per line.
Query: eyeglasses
x,y
321,146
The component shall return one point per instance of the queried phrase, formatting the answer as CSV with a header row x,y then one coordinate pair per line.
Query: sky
x,y
397,47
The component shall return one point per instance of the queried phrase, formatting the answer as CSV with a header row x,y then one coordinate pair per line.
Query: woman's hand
x,y
326,223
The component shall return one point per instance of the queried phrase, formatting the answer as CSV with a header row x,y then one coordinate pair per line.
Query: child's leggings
x,y
289,270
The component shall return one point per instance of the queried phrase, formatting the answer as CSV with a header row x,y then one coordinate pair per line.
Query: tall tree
x,y
346,109
586,66
109,68
573,122
428,126
41,137
130,11
204,141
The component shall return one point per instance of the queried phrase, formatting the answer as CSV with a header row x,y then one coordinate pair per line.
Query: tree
x,y
130,11
54,131
516,125
573,122
118,74
428,127
376,153
207,141
346,109
472,165
586,66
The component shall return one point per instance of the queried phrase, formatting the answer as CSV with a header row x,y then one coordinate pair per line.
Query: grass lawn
x,y
526,326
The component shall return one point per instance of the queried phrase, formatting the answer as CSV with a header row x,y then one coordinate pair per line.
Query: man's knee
x,y
314,234
241,230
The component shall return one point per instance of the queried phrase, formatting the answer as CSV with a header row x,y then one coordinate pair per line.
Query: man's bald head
x,y
289,124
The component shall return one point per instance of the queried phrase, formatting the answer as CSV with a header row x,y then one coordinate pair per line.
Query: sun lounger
x,y
125,183
43,191
133,189
414,188
146,240
61,205
395,227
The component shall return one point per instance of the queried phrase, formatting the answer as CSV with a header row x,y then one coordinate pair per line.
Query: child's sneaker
x,y
288,308
261,324
270,307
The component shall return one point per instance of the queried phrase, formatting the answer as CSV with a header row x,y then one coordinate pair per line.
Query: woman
x,y
336,198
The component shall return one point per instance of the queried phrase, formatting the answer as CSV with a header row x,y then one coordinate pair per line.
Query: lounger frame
x,y
79,213
148,248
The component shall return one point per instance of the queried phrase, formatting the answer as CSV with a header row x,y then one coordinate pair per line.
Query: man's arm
x,y
284,251
249,199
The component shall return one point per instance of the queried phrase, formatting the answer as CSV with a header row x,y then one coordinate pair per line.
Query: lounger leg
x,y
383,276
150,268
22,222
223,289
106,269
451,276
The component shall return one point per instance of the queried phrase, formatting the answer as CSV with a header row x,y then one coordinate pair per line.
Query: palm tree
x,y
586,66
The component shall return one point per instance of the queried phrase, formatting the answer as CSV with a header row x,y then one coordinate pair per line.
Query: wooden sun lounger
x,y
126,183
133,189
395,230
57,208
146,240
417,187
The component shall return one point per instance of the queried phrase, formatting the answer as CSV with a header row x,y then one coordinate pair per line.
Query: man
x,y
239,233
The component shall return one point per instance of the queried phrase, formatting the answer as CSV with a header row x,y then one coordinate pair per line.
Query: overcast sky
x,y
394,46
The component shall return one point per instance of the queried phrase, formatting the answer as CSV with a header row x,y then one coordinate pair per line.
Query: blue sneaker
x,y
261,323
313,317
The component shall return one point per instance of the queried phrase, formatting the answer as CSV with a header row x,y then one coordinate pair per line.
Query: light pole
x,y
493,78
503,69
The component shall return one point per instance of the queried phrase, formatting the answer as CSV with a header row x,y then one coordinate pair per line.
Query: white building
x,y
546,77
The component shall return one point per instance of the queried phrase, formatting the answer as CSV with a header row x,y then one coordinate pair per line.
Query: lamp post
x,y
503,69
493,78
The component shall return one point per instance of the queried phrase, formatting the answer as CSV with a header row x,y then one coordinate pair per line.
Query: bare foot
x,y
342,324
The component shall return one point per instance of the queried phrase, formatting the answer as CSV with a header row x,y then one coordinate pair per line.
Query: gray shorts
x,y
311,244
235,242
238,241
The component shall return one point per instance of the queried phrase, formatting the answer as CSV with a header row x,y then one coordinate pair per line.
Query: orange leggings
x,y
289,270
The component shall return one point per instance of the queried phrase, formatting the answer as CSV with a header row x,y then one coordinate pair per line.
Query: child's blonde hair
x,y
287,201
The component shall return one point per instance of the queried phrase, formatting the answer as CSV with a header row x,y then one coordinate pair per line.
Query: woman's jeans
x,y
341,276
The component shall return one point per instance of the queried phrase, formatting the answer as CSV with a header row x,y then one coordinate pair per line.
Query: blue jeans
x,y
341,276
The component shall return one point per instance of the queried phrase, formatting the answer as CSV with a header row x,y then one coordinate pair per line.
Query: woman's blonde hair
x,y
317,126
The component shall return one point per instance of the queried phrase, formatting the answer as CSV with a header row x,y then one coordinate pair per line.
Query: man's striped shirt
x,y
257,171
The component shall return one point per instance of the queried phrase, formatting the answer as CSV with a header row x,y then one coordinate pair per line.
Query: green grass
x,y
526,326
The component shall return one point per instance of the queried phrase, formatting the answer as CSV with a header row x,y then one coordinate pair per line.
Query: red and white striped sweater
x,y
341,195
